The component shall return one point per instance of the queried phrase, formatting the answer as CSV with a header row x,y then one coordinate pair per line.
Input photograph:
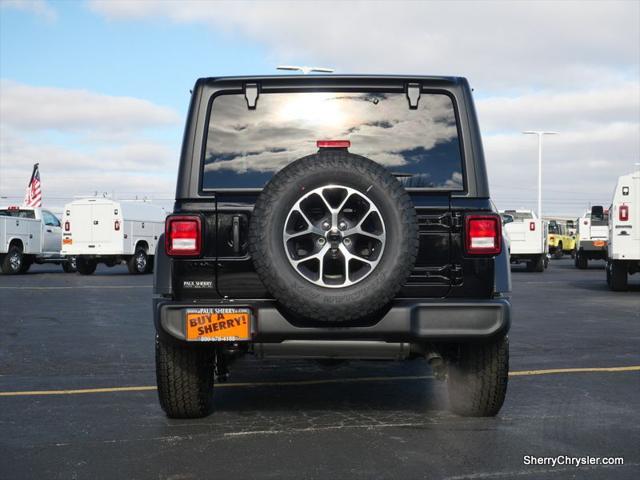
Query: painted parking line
x,y
144,388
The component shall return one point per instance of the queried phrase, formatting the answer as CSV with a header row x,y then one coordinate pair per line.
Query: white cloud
x,y
558,111
35,108
570,66
41,8
497,44
85,142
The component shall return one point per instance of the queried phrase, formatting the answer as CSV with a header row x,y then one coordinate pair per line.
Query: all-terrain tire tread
x,y
184,377
261,218
478,381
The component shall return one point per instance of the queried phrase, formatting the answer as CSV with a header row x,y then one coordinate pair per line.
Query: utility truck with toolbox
x,y
30,235
102,230
591,237
623,248
527,238
332,217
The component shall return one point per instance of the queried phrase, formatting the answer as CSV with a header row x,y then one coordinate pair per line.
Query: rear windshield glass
x,y
246,147
599,221
519,216
17,213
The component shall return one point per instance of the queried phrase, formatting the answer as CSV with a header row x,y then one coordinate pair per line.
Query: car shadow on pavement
x,y
410,396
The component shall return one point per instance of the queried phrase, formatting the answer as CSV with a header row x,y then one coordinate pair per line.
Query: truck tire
x,y
477,378
13,261
316,272
86,266
617,272
69,266
559,252
150,261
536,265
185,378
139,262
27,261
581,262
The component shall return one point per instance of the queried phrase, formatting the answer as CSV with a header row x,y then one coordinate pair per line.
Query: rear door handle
x,y
49,230
236,233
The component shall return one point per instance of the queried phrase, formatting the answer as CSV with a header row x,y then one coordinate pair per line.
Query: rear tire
x,y
317,302
13,261
477,378
558,253
27,261
185,377
536,265
139,262
581,261
618,276
70,265
149,268
86,266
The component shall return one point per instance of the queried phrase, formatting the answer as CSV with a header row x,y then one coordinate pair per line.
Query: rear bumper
x,y
406,321
589,246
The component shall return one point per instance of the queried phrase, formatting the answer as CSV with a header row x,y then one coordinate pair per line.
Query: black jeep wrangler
x,y
332,217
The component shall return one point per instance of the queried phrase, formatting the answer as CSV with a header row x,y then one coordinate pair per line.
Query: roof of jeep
x,y
299,78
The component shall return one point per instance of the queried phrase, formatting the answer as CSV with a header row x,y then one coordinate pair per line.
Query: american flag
x,y
33,195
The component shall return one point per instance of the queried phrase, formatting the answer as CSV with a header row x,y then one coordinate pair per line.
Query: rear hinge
x,y
455,274
251,94
455,222
413,95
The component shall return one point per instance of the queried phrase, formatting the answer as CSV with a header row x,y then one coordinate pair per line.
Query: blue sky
x,y
97,91
157,60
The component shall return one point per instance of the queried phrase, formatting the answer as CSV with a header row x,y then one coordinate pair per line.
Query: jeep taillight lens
x,y
67,226
483,235
116,225
183,236
623,213
532,226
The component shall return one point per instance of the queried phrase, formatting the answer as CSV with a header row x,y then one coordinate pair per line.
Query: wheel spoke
x,y
352,256
318,255
335,271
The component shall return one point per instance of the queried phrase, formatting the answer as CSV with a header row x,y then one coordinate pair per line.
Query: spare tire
x,y
333,237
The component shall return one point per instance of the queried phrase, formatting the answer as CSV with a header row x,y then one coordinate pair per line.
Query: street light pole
x,y
540,134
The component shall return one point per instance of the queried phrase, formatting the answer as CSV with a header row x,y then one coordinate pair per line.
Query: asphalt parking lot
x,y
77,396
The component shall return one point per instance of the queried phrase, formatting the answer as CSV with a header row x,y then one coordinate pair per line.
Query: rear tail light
x,y
532,226
67,226
116,225
483,235
333,143
183,236
623,213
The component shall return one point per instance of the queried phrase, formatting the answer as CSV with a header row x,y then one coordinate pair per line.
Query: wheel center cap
x,y
334,237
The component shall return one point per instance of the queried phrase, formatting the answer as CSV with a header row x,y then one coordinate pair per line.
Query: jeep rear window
x,y
246,147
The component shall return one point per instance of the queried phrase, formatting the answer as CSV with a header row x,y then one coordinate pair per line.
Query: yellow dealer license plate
x,y
218,324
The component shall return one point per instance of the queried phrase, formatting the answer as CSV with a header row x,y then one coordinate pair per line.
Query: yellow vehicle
x,y
561,239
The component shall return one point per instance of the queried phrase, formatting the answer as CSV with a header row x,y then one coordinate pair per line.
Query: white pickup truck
x,y
527,238
102,230
27,236
623,249
592,234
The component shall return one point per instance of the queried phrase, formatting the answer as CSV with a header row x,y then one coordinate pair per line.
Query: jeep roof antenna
x,y
305,70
